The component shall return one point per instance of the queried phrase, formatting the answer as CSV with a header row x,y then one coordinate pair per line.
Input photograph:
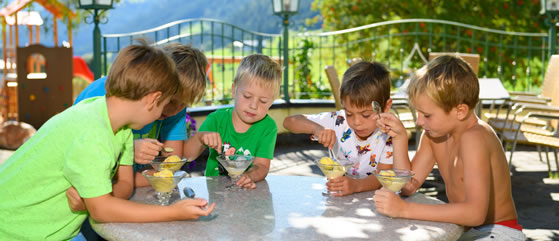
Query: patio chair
x,y
548,137
334,81
471,59
549,89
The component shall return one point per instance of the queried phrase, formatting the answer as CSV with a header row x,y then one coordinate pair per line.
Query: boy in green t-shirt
x,y
246,128
89,146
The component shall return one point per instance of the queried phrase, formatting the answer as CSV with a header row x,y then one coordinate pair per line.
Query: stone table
x,y
280,208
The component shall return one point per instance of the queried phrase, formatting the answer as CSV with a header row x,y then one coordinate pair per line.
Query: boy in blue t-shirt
x,y
89,147
170,129
246,128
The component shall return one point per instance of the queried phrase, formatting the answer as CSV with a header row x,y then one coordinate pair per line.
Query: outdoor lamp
x,y
285,8
551,9
97,6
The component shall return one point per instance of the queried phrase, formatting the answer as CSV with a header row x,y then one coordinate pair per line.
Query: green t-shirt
x,y
258,141
74,148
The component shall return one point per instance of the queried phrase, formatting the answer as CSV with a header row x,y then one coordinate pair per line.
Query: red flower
x,y
469,32
469,50
479,49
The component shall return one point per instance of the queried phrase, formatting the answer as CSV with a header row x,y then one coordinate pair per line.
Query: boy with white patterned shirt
x,y
364,154
354,128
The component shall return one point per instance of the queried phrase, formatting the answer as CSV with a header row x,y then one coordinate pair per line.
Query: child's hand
x,y
74,200
326,137
389,203
341,185
193,208
391,125
146,150
246,182
211,139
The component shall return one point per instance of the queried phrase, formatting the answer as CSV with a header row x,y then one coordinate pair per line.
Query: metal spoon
x,y
330,152
376,108
168,149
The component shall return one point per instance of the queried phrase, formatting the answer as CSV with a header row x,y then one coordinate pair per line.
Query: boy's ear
x,y
151,99
462,111
233,90
388,105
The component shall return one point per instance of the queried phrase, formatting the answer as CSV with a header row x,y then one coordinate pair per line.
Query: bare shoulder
x,y
480,136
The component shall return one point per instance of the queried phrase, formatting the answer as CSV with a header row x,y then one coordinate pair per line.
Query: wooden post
x,y
55,32
38,32
30,61
70,32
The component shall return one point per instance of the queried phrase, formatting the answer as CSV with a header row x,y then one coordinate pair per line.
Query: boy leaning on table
x,y
170,129
245,129
89,146
466,150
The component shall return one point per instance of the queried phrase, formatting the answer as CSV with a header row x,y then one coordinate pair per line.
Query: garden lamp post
x,y
284,8
98,7
551,9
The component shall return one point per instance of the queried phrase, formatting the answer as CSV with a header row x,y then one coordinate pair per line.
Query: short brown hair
x,y
448,81
191,68
364,82
139,70
262,68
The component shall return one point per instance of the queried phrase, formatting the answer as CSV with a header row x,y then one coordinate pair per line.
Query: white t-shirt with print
x,y
364,155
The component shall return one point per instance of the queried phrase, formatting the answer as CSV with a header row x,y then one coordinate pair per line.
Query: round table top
x,y
280,208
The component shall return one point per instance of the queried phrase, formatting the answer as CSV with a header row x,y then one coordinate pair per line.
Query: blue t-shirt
x,y
169,129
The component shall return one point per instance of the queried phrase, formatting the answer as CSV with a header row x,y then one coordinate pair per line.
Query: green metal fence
x,y
518,59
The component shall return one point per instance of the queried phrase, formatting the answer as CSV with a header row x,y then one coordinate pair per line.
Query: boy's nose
x,y
253,104
419,120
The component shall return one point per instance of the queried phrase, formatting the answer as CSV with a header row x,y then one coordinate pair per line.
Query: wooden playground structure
x,y
42,85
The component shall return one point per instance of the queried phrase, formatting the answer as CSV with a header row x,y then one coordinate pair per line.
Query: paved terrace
x,y
536,196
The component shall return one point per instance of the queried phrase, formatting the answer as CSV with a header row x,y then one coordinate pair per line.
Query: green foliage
x,y
516,60
509,15
307,88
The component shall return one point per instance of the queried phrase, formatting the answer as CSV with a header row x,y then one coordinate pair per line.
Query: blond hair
x,y
262,69
191,68
364,82
139,70
448,81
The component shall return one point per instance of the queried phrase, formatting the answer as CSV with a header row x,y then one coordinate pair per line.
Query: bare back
x,y
450,155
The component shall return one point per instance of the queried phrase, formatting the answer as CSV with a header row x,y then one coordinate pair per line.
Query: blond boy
x,y
466,150
89,146
246,128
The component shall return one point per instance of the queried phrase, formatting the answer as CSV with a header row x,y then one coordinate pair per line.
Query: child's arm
x,y
195,145
257,172
471,210
299,124
423,160
391,125
176,145
107,208
122,188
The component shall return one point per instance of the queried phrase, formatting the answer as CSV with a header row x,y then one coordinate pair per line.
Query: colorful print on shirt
x,y
365,155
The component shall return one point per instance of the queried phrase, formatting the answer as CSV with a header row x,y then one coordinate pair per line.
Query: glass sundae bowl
x,y
172,163
235,166
331,169
393,180
164,182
